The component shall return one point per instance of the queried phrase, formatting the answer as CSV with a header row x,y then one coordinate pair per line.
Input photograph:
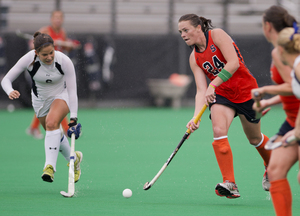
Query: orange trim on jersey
x,y
238,88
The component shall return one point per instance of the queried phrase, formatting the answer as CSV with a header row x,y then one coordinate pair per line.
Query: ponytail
x,y
205,24
279,17
289,39
195,20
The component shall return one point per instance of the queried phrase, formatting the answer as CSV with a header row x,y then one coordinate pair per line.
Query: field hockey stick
x,y
71,183
271,145
24,35
265,111
187,133
258,115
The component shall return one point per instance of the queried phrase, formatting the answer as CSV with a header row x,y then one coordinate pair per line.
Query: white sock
x,y
262,140
65,148
52,143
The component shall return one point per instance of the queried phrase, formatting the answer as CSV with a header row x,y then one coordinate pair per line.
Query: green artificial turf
x,y
125,148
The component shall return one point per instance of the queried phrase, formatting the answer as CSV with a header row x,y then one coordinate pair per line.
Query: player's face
x,y
57,19
265,28
46,54
188,32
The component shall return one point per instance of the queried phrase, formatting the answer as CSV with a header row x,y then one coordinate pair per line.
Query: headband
x,y
296,30
44,44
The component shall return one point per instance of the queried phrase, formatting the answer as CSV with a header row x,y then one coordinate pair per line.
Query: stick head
x,y
65,194
147,186
271,144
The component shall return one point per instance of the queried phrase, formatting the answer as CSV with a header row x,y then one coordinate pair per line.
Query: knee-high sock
x,y
265,154
224,157
52,143
281,197
65,148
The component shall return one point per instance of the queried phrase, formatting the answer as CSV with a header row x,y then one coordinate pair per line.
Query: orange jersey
x,y
238,88
60,36
290,103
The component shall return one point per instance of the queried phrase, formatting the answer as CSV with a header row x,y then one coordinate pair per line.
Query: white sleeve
x,y
70,78
15,71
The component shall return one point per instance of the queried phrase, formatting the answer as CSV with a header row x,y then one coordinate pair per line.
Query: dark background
x,y
136,59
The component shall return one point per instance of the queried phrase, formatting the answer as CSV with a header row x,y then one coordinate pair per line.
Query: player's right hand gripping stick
x,y
74,128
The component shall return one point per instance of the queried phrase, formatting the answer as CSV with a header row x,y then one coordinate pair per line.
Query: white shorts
x,y
41,106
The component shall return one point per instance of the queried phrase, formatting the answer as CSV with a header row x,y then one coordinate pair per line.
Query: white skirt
x,y
42,106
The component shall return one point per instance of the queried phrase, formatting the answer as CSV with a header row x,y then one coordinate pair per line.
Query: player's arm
x,y
13,74
67,44
281,89
266,103
70,77
201,87
224,42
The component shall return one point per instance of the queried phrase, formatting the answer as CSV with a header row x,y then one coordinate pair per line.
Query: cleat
x,y
265,182
35,133
48,174
227,189
77,170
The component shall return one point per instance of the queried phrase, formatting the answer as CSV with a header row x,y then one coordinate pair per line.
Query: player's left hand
x,y
14,95
289,139
263,104
192,126
257,93
74,128
210,96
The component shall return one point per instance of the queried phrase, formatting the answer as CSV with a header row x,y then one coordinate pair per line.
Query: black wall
x,y
137,58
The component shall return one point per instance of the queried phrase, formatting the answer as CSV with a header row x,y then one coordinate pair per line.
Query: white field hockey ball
x,y
127,193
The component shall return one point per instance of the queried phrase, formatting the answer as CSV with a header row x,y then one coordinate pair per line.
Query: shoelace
x,y
230,185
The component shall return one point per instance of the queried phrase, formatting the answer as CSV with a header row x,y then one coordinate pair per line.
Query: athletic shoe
x,y
77,170
265,182
35,132
48,174
227,189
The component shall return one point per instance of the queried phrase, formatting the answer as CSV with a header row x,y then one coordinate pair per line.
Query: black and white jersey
x,y
47,80
295,81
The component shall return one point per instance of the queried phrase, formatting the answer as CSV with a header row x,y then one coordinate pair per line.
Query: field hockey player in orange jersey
x,y
228,95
